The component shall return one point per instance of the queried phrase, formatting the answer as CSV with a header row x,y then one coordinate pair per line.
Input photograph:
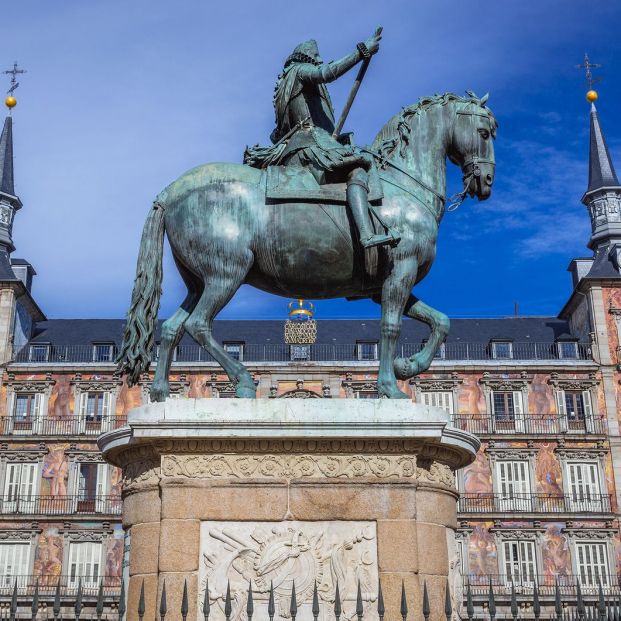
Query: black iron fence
x,y
320,352
534,503
532,424
60,505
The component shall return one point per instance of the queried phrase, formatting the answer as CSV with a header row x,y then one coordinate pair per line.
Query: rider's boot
x,y
358,200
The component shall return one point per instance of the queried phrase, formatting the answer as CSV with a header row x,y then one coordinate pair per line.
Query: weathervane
x,y
10,101
588,66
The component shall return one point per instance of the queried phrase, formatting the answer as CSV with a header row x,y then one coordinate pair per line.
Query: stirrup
x,y
380,240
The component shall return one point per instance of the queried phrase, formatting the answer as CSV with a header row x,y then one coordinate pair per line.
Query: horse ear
x,y
484,99
470,94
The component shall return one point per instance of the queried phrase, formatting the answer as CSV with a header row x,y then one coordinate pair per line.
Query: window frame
x,y
43,346
109,345
560,346
359,351
494,345
241,344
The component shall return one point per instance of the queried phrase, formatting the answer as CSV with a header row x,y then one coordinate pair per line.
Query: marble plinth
x,y
275,490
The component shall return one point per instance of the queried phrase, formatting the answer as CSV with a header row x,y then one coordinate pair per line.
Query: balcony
x,y
529,424
501,585
59,426
60,505
533,503
320,352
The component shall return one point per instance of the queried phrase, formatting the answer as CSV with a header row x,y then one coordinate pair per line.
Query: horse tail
x,y
135,356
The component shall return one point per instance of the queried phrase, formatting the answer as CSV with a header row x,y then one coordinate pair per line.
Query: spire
x,y
601,170
6,158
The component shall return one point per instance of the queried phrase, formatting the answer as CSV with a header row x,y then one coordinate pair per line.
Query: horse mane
x,y
394,137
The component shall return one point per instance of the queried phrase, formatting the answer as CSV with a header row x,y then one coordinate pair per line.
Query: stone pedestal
x,y
232,490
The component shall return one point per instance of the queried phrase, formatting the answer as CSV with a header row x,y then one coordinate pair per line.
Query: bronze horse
x,y
224,233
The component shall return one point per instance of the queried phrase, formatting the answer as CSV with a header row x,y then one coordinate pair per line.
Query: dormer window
x,y
103,352
366,350
39,352
235,350
502,350
567,349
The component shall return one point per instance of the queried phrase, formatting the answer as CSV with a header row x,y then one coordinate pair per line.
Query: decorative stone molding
x,y
20,384
23,534
220,388
586,453
178,388
599,534
491,382
423,384
528,534
96,384
352,387
79,536
292,466
83,455
499,453
141,473
26,454
559,382
302,393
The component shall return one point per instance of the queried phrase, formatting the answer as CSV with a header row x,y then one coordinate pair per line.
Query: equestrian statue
x,y
312,216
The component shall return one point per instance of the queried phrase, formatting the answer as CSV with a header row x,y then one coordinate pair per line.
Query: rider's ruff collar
x,y
304,53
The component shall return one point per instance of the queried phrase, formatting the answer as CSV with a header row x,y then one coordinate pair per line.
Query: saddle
x,y
297,184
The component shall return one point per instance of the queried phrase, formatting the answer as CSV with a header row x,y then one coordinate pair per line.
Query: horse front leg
x,y
439,323
395,292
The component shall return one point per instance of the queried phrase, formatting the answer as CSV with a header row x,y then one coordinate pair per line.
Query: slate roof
x,y
6,158
330,331
601,170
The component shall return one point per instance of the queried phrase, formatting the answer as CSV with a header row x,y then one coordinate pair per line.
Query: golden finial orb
x,y
10,102
592,96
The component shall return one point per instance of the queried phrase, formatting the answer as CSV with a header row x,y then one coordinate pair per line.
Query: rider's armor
x,y
304,128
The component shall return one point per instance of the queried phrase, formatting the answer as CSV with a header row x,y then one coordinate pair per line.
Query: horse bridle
x,y
470,161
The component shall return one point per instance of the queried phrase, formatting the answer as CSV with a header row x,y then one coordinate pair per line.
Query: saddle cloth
x,y
296,184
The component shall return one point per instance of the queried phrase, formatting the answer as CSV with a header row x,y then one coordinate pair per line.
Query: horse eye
x,y
484,133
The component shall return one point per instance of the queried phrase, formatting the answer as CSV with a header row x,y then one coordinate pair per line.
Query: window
x,y
507,410
235,350
300,352
94,408
39,353
366,394
92,480
19,487
103,352
14,561
520,565
84,564
583,486
502,349
567,349
574,409
366,350
439,399
513,484
27,411
592,564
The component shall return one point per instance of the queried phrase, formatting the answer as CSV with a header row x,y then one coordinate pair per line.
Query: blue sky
x,y
121,98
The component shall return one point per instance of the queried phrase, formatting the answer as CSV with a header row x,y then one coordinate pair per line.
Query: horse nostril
x,y
489,179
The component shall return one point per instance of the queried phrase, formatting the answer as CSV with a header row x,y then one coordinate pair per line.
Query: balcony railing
x,y
48,584
546,585
534,424
320,352
60,505
533,503
59,426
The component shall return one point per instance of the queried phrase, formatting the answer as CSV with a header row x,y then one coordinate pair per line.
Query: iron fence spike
x,y
34,608
122,606
163,605
249,602
536,603
359,606
491,604
426,607
469,603
315,602
293,605
184,601
337,602
448,604
56,605
228,607
514,605
271,607
206,604
141,603
404,603
99,608
381,609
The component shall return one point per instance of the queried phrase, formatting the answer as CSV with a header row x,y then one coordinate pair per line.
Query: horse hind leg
x,y
172,331
220,285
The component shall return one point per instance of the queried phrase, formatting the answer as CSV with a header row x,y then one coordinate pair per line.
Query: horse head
x,y
471,145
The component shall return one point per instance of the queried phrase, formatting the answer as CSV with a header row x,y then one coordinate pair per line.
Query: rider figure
x,y
304,112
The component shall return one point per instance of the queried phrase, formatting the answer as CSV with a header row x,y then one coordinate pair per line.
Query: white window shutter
x,y
11,481
517,403
38,405
83,403
106,401
560,403
27,480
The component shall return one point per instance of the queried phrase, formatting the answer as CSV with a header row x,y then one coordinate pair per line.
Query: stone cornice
x,y
500,382
27,384
571,383
96,383
444,383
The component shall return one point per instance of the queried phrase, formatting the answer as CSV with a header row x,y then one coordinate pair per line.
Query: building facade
x,y
540,504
